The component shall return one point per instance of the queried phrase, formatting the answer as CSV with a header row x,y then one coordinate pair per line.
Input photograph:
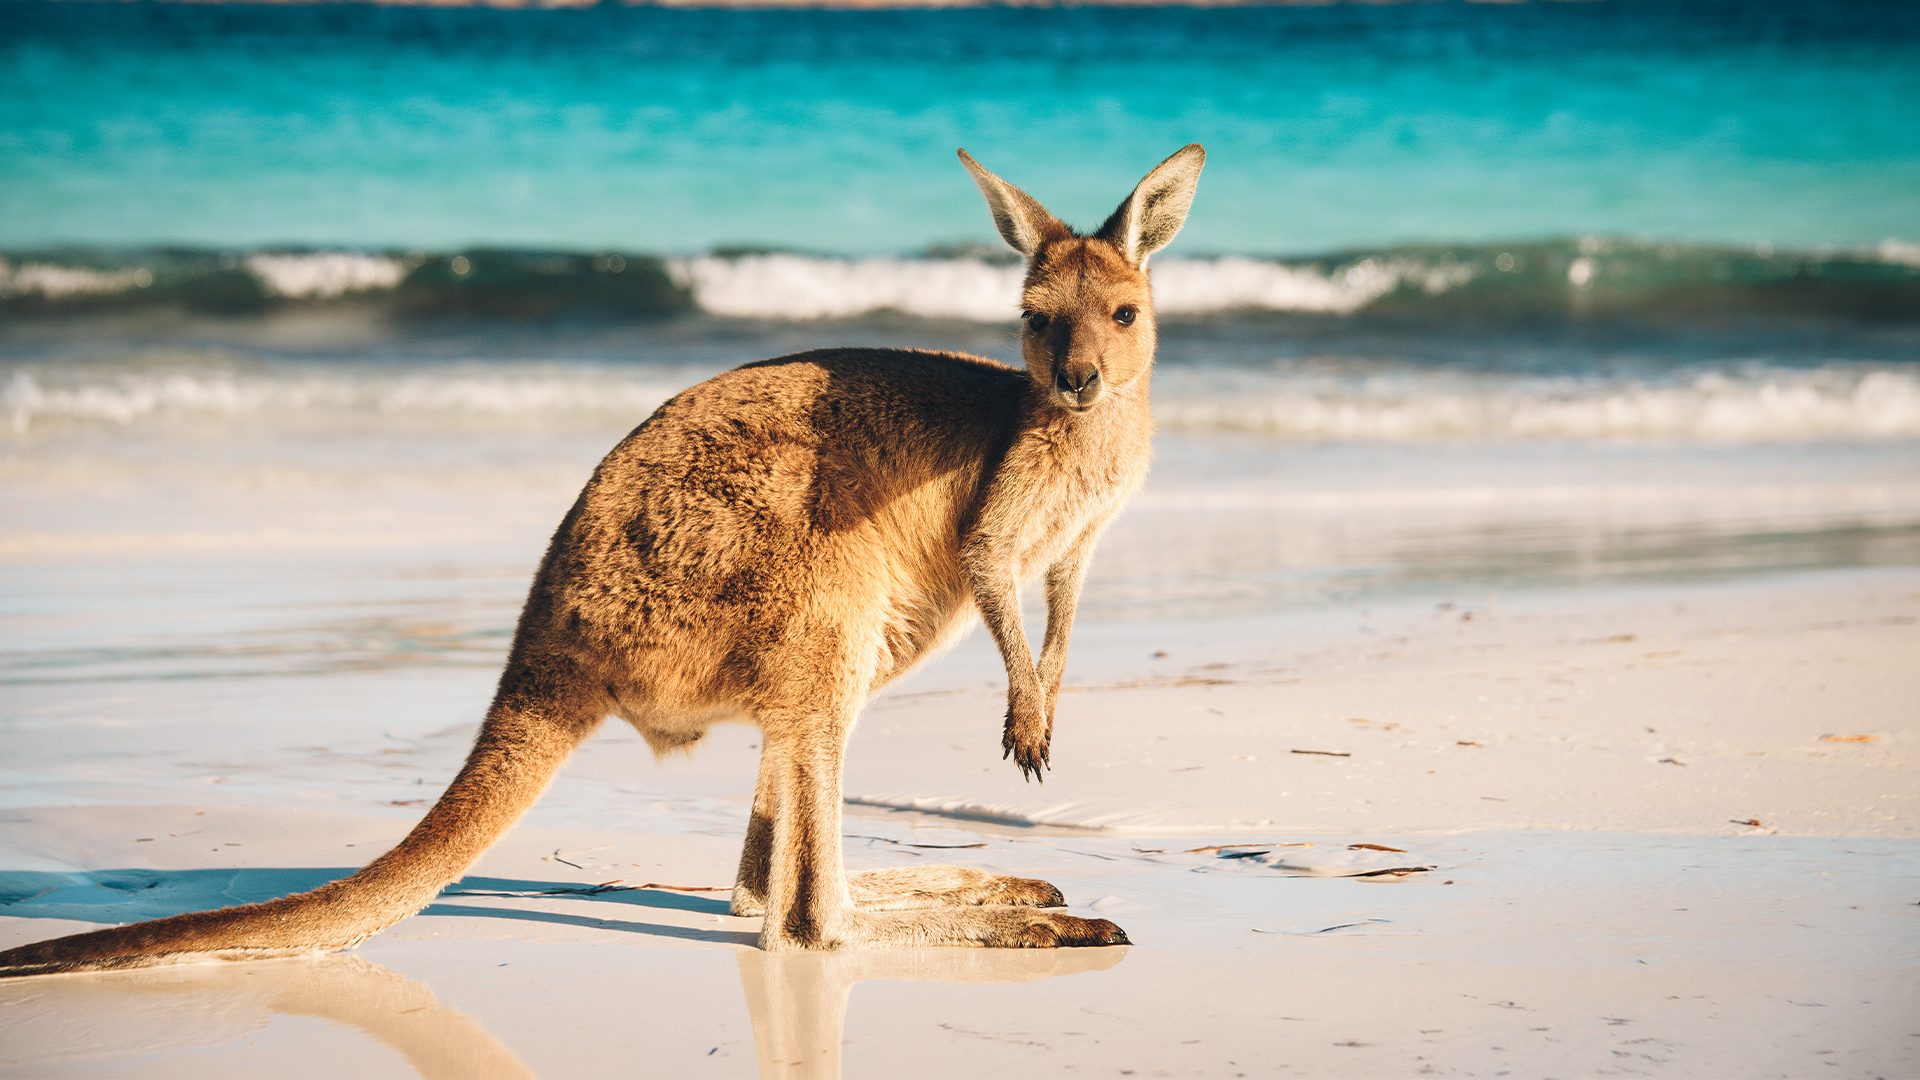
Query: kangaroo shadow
x,y
132,895
135,895
797,1001
598,896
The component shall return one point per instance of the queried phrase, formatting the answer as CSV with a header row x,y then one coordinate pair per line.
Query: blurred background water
x,y
314,317
677,131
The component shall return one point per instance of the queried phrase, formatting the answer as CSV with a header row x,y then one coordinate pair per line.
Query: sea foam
x,y
784,286
325,275
33,397
1719,404
1286,401
1587,279
56,281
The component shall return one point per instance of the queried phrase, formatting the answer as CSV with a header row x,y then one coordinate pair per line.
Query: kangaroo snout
x,y
1078,386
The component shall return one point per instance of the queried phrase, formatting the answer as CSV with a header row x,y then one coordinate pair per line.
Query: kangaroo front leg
x,y
1064,579
998,595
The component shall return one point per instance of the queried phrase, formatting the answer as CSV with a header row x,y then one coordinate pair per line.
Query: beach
x,y
1647,818
1645,852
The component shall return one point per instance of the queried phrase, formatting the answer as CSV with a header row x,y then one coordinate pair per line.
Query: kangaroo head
x,y
1088,319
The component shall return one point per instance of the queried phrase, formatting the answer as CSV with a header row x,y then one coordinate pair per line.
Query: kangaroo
x,y
774,546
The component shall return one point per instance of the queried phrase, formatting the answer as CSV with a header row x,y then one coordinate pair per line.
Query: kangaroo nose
x,y
1079,390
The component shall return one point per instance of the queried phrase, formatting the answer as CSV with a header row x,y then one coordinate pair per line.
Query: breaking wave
x,y
1735,403
1287,401
1709,396
1585,278
32,397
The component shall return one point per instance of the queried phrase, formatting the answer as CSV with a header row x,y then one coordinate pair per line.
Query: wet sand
x,y
1581,770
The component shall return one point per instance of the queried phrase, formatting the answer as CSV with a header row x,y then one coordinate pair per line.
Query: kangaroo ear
x,y
1023,223
1150,217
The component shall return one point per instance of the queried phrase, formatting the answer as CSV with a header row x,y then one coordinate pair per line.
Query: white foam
x,y
60,282
1234,283
128,397
124,400
325,275
801,287
808,287
1899,252
804,287
1765,405
1759,405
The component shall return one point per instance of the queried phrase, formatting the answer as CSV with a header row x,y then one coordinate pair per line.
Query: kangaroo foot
x,y
1064,932
979,927
910,887
920,887
1026,892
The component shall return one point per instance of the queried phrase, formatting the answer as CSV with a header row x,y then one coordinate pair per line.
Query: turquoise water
x,y
1471,293
663,131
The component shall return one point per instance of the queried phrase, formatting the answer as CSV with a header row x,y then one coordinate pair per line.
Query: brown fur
x,y
774,546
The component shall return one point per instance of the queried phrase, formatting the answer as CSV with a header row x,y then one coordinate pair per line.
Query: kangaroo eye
x,y
1124,314
1037,321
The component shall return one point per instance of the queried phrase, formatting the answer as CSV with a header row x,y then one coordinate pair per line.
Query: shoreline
x,y
1778,697
1609,917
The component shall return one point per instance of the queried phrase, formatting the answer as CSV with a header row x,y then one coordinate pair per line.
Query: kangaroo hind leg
x,y
909,888
892,889
793,855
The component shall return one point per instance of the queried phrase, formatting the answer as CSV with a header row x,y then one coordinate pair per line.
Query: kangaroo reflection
x,y
798,1000
437,1041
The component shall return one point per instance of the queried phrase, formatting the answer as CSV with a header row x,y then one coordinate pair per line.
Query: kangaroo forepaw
x,y
1026,741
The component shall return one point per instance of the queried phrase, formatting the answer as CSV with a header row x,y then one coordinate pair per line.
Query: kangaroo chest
x,y
1066,506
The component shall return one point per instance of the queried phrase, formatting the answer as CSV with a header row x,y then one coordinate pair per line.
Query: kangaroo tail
x,y
529,733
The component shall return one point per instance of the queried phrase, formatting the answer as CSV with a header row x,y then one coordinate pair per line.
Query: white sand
x,y
1650,709
1572,764
238,657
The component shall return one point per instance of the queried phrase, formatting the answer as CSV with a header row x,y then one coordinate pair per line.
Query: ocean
x,y
313,318
675,132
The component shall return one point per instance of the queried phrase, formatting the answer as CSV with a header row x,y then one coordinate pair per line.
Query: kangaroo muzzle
x,y
1077,385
